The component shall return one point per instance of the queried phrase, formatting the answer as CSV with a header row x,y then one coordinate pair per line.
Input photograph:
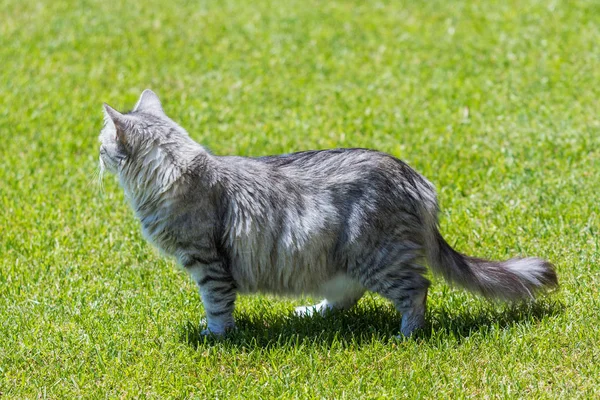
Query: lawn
x,y
497,103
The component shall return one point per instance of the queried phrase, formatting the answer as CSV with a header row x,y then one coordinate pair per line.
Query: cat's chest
x,y
158,230
178,230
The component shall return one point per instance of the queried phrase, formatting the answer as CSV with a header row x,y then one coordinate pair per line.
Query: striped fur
x,y
333,223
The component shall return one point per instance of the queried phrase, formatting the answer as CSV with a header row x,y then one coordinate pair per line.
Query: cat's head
x,y
143,143
125,135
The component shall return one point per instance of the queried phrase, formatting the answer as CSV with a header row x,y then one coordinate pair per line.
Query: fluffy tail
x,y
514,279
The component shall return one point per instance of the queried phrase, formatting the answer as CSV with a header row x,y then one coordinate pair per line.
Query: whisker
x,y
101,169
96,178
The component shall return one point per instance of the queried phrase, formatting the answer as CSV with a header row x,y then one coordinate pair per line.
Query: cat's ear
x,y
149,103
119,121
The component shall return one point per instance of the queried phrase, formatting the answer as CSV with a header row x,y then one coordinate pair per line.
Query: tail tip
x,y
539,273
549,277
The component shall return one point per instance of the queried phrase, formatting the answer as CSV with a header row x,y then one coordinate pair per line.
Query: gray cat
x,y
332,223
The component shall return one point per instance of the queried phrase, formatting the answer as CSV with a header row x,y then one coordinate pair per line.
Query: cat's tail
x,y
514,279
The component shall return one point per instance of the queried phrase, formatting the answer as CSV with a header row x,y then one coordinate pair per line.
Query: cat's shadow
x,y
365,324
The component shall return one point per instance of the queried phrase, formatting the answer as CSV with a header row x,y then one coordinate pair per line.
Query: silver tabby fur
x,y
332,223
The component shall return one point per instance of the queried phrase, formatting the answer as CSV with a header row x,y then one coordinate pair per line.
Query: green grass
x,y
88,309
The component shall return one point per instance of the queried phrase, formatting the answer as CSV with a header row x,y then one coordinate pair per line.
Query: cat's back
x,y
322,166
342,175
330,161
347,165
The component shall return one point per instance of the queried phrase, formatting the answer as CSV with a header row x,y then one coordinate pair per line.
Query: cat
x,y
332,223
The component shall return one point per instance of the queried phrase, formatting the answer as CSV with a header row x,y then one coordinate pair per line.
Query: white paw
x,y
307,311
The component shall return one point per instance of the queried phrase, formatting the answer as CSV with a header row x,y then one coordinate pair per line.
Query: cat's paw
x,y
307,311
216,330
208,332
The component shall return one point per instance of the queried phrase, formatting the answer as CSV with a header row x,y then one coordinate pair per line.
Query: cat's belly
x,y
339,287
295,278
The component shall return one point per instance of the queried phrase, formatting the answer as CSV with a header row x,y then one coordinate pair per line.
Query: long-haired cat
x,y
332,223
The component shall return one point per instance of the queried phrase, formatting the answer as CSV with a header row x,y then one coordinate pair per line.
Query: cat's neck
x,y
158,174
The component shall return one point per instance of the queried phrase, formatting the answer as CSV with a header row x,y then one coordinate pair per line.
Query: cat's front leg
x,y
218,292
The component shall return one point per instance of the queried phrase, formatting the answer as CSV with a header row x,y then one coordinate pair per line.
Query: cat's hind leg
x,y
341,292
402,282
